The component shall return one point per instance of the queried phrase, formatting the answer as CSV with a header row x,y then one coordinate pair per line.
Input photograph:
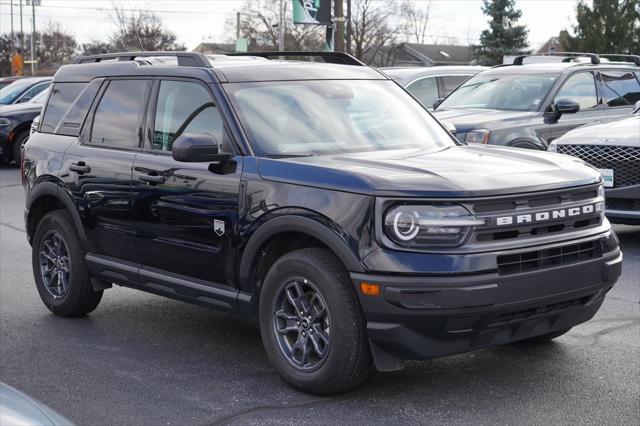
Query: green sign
x,y
314,12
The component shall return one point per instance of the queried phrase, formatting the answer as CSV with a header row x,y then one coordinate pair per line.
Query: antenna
x,y
139,40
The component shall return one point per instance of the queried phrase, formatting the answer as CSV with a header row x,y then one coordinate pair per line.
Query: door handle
x,y
151,178
80,168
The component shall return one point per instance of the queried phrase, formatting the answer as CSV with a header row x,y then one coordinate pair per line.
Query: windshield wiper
x,y
288,155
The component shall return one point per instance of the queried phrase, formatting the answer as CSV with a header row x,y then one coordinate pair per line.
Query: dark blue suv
x,y
319,198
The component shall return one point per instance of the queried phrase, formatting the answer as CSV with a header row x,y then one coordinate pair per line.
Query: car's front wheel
x,y
18,143
311,324
59,268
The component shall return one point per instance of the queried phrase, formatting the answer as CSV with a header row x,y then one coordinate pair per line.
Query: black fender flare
x,y
293,223
52,189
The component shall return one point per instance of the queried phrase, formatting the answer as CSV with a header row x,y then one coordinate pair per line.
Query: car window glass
x,y
31,93
63,95
184,107
451,82
580,87
620,88
117,117
425,90
10,93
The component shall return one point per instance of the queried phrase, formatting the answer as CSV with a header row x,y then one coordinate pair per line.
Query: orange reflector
x,y
370,289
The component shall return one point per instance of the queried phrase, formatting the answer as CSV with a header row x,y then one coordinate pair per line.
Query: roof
x,y
556,67
407,74
439,53
229,69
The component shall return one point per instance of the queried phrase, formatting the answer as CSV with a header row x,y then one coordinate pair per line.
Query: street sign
x,y
314,12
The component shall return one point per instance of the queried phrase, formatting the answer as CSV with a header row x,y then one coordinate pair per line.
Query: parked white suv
x,y
614,149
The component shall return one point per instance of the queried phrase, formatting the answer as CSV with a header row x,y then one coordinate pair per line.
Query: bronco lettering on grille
x,y
549,215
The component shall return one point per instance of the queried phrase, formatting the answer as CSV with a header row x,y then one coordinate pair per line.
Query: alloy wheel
x,y
55,264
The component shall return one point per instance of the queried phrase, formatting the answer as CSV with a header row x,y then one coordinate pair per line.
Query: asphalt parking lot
x,y
144,360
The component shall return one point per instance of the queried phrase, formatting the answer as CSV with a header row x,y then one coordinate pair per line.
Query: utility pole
x,y
21,30
281,28
11,7
33,36
349,26
237,25
338,45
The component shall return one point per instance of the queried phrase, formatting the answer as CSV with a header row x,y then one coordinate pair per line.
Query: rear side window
x,y
62,96
33,92
620,88
451,82
117,117
184,107
425,90
580,87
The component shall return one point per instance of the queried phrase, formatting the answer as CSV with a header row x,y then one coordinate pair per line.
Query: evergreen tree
x,y
607,26
504,36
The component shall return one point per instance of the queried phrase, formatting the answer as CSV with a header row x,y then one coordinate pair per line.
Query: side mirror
x,y
450,127
567,106
437,103
198,148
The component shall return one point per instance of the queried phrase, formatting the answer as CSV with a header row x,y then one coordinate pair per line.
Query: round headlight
x,y
405,225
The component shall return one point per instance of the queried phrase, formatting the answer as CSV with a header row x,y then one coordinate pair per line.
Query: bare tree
x,y
415,20
259,21
374,35
140,30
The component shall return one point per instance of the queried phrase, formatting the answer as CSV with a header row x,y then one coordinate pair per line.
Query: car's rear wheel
x,y
18,143
311,323
59,269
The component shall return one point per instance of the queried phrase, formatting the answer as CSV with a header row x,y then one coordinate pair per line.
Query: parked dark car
x,y
15,125
614,149
530,105
428,84
320,199
23,90
5,81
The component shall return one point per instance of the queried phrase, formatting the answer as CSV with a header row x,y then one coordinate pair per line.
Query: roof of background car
x,y
407,74
556,67
232,70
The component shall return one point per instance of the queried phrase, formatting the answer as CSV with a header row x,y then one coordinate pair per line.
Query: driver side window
x,y
184,107
580,87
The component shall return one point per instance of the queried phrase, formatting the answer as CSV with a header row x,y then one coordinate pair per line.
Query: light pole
x,y
33,34
281,28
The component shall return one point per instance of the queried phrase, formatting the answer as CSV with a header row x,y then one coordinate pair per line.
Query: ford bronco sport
x,y
319,198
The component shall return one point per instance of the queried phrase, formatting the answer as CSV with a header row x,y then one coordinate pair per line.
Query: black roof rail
x,y
330,57
595,59
634,58
185,59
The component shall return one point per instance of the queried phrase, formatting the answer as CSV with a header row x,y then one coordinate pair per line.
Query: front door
x,y
97,171
186,214
579,87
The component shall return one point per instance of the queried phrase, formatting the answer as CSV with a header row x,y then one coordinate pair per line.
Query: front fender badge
x,y
218,227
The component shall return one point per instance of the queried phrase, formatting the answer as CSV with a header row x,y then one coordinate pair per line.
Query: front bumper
x,y
623,204
421,317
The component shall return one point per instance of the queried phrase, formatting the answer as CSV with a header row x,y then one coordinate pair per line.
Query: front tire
x,y
311,324
59,269
19,141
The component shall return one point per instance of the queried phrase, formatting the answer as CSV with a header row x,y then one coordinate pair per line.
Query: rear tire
x,y
18,142
311,324
59,269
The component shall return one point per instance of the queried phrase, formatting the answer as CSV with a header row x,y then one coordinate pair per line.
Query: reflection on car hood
x,y
460,171
625,132
465,119
16,408
20,108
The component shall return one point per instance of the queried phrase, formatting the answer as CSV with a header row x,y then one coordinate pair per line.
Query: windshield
x,y
10,93
506,92
333,116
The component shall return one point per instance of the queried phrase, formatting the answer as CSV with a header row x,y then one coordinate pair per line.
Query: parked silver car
x,y
614,149
428,84
16,408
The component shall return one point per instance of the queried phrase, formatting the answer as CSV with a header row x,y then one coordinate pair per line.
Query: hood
x,y
20,108
467,119
624,132
457,171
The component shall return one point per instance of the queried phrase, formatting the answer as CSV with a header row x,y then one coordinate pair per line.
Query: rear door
x,y
186,214
98,168
582,88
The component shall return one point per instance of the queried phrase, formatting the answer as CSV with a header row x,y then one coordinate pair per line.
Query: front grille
x,y
548,258
540,310
527,206
632,204
623,160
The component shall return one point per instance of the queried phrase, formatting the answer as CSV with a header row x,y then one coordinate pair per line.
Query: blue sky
x,y
193,21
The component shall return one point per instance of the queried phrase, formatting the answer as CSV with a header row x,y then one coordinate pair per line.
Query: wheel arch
x,y
533,144
281,228
46,197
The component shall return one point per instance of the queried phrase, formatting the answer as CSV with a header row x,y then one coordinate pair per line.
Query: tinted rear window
x,y
62,96
620,88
